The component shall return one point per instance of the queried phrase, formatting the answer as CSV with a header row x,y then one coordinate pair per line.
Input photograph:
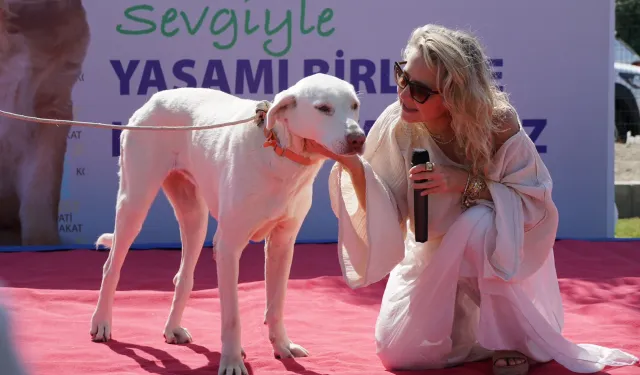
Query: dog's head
x,y
321,108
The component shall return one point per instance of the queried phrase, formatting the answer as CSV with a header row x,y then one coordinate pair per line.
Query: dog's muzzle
x,y
355,141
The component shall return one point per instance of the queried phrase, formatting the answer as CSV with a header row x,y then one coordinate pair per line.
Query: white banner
x,y
554,61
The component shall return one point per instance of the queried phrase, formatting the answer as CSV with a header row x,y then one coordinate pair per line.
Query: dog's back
x,y
192,150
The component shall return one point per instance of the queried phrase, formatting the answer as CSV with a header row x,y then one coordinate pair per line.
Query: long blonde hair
x,y
465,81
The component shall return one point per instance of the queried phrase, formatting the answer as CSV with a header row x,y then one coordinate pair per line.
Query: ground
x,y
627,162
628,228
627,168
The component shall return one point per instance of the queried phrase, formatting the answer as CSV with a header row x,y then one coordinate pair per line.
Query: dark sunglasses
x,y
419,92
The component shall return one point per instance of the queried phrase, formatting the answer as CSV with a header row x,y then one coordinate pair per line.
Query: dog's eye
x,y
354,106
325,109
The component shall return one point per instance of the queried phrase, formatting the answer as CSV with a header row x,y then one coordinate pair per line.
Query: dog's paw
x,y
100,331
287,349
177,335
232,364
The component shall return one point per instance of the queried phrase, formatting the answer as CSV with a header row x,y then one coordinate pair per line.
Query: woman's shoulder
x,y
388,119
387,130
392,112
507,126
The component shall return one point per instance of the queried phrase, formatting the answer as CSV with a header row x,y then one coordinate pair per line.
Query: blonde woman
x,y
484,285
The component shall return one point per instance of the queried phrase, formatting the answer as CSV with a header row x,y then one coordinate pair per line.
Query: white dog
x,y
253,192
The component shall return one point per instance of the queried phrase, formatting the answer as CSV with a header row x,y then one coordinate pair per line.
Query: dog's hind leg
x,y
192,213
141,174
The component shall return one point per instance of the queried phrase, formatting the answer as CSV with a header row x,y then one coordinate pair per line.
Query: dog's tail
x,y
106,240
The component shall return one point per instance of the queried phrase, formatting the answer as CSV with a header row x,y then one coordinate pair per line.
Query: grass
x,y
628,228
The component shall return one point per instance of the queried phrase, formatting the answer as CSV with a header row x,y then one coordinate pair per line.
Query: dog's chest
x,y
286,206
287,192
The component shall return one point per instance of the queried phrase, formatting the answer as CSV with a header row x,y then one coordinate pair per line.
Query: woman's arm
x,y
368,196
354,167
525,216
509,127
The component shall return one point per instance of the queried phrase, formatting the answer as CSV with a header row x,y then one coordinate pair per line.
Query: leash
x,y
48,121
261,112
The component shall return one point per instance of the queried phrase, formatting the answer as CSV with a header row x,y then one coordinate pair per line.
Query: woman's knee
x,y
404,356
390,357
387,349
398,354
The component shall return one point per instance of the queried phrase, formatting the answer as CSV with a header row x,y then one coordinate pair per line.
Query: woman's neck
x,y
440,127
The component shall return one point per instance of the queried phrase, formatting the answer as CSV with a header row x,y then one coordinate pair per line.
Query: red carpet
x,y
53,296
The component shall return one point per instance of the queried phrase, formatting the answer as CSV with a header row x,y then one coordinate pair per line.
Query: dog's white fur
x,y
253,193
42,47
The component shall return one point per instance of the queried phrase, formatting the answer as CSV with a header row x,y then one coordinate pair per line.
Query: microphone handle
x,y
420,212
420,203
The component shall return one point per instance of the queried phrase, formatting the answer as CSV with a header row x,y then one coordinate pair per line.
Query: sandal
x,y
512,365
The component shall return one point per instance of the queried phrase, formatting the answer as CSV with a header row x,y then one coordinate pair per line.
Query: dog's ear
x,y
282,101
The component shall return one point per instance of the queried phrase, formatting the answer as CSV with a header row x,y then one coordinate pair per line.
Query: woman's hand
x,y
351,163
441,179
348,161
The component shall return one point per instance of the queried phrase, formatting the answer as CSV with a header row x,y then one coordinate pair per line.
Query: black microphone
x,y
420,203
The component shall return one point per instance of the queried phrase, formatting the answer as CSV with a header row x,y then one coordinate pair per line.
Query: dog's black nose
x,y
356,140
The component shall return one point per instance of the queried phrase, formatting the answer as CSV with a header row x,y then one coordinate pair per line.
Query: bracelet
x,y
475,185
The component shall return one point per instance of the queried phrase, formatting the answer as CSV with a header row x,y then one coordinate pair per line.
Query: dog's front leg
x,y
279,254
227,256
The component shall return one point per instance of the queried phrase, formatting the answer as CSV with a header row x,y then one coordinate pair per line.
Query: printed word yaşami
x,y
141,77
226,24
